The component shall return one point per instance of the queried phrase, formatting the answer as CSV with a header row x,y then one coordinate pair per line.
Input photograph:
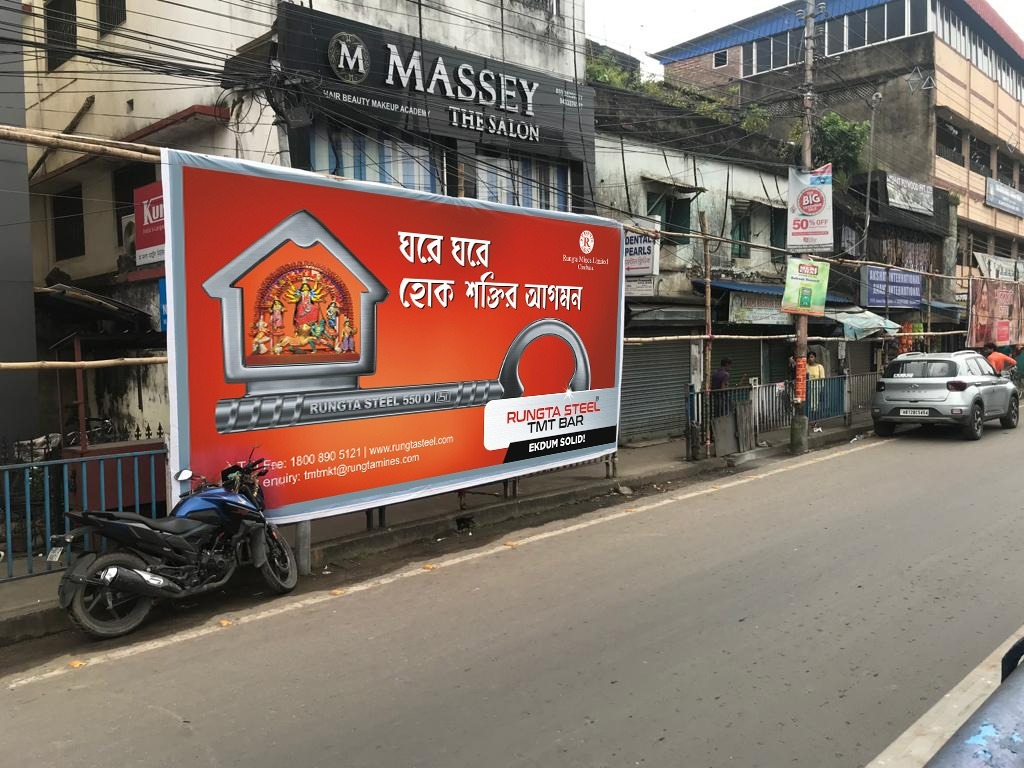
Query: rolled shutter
x,y
655,387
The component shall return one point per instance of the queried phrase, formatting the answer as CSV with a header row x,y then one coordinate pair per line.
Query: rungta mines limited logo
x,y
586,241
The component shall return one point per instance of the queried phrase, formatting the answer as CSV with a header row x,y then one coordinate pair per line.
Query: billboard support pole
x,y
302,554
706,400
798,427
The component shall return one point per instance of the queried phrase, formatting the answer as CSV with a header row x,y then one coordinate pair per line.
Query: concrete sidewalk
x,y
28,607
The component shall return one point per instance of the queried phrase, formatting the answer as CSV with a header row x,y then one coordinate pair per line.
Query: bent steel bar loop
x,y
271,411
508,376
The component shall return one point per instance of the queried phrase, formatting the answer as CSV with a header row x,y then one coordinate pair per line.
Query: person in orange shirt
x,y
997,360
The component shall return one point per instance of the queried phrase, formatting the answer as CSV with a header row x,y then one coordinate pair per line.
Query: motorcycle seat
x,y
174,525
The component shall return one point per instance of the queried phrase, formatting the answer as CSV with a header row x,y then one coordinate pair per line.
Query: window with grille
x,y
1004,169
376,156
523,181
721,59
949,142
68,224
779,227
60,19
674,213
111,14
981,156
740,230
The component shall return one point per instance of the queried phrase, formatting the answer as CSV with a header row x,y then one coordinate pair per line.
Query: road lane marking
x,y
316,598
919,743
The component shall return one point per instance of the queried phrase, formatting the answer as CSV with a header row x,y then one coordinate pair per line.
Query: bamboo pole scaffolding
x,y
76,144
57,365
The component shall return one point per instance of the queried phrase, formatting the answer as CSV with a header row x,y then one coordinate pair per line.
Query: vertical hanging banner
x,y
376,344
806,287
995,313
810,211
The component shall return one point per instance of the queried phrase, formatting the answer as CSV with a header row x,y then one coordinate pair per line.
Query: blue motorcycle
x,y
212,530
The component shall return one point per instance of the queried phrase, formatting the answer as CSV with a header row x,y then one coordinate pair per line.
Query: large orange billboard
x,y
377,344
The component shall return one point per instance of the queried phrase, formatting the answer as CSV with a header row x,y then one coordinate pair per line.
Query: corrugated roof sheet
x,y
764,24
769,289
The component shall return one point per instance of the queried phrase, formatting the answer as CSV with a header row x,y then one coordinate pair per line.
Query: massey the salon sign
x,y
396,80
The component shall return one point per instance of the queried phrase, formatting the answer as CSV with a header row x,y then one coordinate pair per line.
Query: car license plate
x,y
913,411
54,554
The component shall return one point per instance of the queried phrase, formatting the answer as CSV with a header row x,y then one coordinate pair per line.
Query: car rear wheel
x,y
1009,421
885,428
975,424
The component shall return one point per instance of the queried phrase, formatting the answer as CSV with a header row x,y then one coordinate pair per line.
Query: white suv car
x,y
958,388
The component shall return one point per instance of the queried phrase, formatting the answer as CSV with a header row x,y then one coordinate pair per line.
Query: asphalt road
x,y
804,616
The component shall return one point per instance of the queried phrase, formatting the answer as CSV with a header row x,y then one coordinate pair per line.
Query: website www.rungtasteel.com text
x,y
378,457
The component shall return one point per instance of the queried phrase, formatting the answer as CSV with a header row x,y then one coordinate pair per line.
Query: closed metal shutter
x,y
655,386
746,360
778,360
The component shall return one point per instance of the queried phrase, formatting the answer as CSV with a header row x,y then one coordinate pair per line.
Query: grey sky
x,y
642,26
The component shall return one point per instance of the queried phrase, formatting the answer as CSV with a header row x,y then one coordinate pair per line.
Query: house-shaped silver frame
x,y
305,230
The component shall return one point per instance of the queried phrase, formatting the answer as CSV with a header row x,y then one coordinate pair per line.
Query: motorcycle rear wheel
x,y
94,615
280,571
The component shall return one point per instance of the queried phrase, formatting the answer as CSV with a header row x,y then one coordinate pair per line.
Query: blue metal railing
x,y
37,495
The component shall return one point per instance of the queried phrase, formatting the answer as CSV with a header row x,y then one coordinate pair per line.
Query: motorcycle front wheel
x,y
102,612
280,571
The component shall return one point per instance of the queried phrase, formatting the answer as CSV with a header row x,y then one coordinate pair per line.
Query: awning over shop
x,y
952,312
858,323
770,289
654,312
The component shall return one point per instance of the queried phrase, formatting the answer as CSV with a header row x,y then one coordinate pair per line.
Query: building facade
x,y
951,78
483,102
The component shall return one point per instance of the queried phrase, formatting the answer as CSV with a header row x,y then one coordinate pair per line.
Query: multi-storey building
x,y
951,78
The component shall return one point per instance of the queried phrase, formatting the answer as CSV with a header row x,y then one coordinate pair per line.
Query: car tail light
x,y
879,386
956,386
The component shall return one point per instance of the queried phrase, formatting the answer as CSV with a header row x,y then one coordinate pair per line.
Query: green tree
x,y
840,142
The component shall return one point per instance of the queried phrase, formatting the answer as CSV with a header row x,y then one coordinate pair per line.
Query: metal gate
x,y
655,386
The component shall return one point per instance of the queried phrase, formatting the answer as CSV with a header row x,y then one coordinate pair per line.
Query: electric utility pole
x,y
798,428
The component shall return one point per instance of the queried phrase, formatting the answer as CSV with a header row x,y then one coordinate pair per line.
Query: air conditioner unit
x,y
128,239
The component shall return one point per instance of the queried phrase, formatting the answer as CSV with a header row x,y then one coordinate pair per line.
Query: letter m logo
x,y
348,58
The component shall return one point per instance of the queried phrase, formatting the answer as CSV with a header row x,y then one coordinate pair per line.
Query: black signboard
x,y
390,79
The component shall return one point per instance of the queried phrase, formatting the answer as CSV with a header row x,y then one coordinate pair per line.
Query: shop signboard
x,y
757,309
389,79
642,286
904,288
149,224
378,345
642,250
1004,197
810,211
910,195
806,287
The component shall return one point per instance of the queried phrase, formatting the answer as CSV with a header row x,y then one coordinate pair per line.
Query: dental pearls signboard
x,y
378,345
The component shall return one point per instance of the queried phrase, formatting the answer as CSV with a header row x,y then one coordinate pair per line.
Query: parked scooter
x,y
211,531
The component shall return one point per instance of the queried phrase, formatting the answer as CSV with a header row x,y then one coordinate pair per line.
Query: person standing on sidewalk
x,y
719,382
815,372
